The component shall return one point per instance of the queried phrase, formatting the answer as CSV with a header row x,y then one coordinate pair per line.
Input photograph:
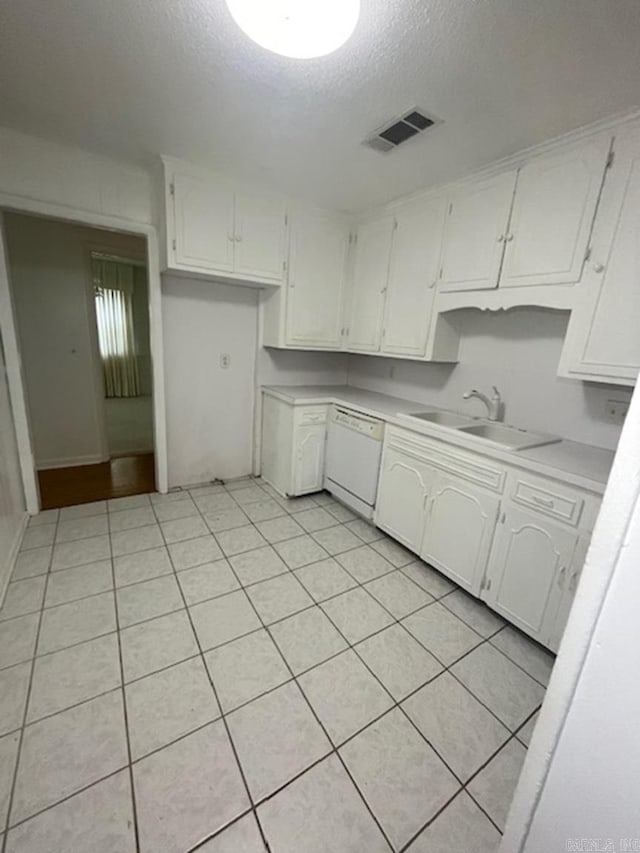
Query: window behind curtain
x,y
113,285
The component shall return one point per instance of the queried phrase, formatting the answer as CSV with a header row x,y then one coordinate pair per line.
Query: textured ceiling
x,y
134,78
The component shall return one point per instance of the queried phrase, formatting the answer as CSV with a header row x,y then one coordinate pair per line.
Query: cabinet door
x,y
475,229
528,570
403,489
459,530
553,209
369,284
260,237
308,473
317,265
203,218
568,593
603,339
413,272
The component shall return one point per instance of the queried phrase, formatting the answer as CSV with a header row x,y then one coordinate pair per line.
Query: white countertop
x,y
580,464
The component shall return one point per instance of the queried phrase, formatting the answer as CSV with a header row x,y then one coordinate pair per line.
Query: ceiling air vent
x,y
394,133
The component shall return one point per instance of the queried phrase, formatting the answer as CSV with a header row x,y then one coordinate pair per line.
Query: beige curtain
x,y
113,283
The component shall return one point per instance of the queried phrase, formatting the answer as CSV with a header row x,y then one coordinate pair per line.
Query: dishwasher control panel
x,y
358,422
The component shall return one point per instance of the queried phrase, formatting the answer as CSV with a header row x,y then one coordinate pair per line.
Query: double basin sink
x,y
500,435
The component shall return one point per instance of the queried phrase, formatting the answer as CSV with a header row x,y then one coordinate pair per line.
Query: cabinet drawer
x,y
549,499
307,416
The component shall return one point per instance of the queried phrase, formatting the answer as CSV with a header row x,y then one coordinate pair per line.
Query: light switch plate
x,y
225,360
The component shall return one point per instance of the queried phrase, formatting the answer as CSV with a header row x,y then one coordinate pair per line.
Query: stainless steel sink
x,y
498,434
507,436
443,418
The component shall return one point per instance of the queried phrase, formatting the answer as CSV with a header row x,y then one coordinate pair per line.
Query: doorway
x,y
81,303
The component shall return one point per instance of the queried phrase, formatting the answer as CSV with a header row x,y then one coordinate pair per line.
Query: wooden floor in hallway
x,y
125,475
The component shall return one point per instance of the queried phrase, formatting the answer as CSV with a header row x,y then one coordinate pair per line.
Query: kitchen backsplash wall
x,y
291,367
518,351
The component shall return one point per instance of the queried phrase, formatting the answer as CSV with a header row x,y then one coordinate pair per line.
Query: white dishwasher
x,y
354,447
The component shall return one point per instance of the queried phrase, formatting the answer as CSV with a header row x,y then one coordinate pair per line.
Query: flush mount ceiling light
x,y
301,29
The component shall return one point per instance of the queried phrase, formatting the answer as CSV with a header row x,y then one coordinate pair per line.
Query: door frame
x,y
17,390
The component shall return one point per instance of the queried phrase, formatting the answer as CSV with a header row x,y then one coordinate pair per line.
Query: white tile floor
x,y
219,669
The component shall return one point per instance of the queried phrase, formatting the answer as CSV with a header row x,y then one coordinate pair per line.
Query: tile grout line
x,y
512,734
70,796
398,705
204,725
350,646
136,833
217,699
484,640
333,750
446,668
360,584
356,581
294,679
21,736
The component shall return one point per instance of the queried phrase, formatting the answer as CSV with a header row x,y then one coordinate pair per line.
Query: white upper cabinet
x,y
260,236
413,273
475,231
315,292
369,283
553,209
213,227
603,339
203,218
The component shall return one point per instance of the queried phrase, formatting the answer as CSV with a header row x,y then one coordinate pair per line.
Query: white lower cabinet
x,y
515,539
293,445
308,469
568,593
528,570
458,532
403,490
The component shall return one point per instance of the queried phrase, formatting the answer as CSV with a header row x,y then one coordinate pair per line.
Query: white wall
x,y
286,367
209,410
38,169
53,298
518,351
12,509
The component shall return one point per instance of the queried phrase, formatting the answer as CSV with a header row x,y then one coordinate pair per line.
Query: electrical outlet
x,y
225,360
617,410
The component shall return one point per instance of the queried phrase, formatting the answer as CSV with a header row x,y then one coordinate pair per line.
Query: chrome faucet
x,y
493,405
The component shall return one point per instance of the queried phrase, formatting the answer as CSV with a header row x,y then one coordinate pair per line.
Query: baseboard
x,y
12,556
71,462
